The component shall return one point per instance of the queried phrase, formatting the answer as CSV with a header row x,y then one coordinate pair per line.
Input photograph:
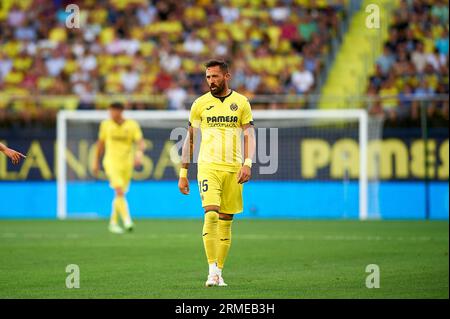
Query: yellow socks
x,y
120,207
210,228
224,241
114,215
216,238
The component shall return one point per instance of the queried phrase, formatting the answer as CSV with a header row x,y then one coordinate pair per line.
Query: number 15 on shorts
x,y
203,185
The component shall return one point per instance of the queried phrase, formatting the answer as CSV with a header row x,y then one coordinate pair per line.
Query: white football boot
x,y
213,280
221,281
115,229
129,226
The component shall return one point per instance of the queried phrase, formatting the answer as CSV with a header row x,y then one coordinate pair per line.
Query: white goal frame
x,y
97,115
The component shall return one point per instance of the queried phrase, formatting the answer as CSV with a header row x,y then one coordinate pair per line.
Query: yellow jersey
x,y
119,142
220,120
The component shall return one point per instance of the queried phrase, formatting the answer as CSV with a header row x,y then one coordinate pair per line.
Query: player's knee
x,y
226,216
119,192
211,208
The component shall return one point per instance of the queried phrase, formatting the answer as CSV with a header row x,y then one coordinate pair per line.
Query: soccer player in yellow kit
x,y
221,115
117,138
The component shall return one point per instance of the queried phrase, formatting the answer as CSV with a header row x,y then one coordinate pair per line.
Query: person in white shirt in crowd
x,y
302,79
130,79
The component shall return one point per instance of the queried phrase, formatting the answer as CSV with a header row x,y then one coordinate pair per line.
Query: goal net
x,y
308,164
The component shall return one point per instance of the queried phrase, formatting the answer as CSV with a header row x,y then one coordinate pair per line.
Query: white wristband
x,y
183,172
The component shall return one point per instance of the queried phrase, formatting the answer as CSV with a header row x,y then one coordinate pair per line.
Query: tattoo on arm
x,y
249,141
188,148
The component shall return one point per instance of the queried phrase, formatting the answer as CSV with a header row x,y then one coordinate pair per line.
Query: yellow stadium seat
x,y
194,13
124,60
137,33
22,64
57,35
71,66
45,83
13,78
238,3
68,102
107,35
238,31
147,48
99,15
189,65
274,33
12,48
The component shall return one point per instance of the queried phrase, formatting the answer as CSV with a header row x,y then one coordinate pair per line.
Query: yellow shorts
x,y
119,177
220,188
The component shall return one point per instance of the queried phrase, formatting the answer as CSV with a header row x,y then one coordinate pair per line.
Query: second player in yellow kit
x,y
118,160
117,138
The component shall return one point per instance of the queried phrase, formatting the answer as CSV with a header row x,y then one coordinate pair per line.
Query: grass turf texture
x,y
268,259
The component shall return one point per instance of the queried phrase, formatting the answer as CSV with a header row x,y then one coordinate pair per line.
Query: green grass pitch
x,y
268,259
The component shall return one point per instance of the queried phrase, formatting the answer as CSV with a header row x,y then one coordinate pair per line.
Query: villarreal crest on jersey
x,y
221,120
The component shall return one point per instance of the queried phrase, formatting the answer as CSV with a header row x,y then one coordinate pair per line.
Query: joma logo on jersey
x,y
222,119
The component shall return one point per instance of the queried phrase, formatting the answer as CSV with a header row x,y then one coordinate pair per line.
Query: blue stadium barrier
x,y
262,199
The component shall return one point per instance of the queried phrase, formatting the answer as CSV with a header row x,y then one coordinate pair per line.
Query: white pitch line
x,y
38,235
337,238
9,235
237,236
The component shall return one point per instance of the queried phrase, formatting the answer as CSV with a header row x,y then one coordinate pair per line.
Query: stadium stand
x,y
151,52
413,67
396,69
361,44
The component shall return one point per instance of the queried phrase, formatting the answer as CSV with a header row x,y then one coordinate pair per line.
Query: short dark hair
x,y
117,106
221,63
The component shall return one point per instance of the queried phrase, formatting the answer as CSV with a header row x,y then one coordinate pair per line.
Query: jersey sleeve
x,y
137,135
247,116
102,131
194,116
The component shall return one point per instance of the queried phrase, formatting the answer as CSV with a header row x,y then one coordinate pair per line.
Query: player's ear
x,y
227,76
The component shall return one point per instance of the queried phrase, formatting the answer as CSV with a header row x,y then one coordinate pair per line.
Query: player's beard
x,y
220,89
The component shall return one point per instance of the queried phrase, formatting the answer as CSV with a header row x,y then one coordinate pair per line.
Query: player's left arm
x,y
139,156
245,172
140,147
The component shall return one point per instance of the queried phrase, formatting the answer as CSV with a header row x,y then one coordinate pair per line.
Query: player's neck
x,y
225,93
119,121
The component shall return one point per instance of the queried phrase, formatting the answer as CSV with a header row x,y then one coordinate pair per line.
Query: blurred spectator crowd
x,y
149,48
412,71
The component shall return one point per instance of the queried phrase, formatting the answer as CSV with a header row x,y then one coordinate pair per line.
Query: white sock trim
x,y
213,268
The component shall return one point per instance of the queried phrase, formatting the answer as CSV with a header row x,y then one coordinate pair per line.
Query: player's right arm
x,y
188,148
98,157
12,154
138,138
186,158
100,150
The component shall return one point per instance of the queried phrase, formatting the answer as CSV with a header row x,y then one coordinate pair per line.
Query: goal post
x,y
297,125
347,114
